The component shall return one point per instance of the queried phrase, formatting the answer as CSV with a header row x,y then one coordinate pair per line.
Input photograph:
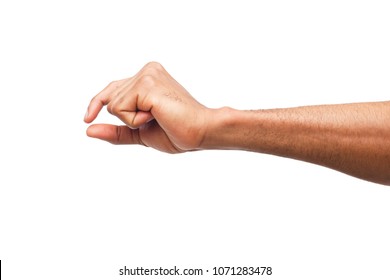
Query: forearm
x,y
351,138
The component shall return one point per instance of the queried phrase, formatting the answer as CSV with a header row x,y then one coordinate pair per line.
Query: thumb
x,y
114,134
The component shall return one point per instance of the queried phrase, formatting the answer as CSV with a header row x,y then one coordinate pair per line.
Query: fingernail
x,y
86,115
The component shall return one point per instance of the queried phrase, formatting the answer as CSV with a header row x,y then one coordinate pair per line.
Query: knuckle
x,y
113,109
118,134
154,64
97,100
113,84
146,81
150,71
109,108
153,68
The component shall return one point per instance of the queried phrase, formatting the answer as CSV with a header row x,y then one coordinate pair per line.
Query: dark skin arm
x,y
158,112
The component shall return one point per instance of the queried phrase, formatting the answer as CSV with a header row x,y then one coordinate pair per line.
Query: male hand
x,y
156,110
160,113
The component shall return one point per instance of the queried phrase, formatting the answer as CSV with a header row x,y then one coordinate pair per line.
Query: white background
x,y
72,207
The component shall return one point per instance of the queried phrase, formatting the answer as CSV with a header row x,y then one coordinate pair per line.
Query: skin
x,y
158,112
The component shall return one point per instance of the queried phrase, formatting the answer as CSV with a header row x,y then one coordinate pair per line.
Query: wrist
x,y
223,129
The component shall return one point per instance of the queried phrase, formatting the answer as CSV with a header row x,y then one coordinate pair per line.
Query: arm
x,y
351,138
160,113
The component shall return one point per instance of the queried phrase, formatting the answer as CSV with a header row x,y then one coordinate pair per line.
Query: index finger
x,y
101,99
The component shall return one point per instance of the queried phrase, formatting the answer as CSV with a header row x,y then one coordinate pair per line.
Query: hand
x,y
160,113
156,110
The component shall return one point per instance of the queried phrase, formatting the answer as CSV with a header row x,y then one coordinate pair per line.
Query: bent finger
x,y
114,134
134,119
101,99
